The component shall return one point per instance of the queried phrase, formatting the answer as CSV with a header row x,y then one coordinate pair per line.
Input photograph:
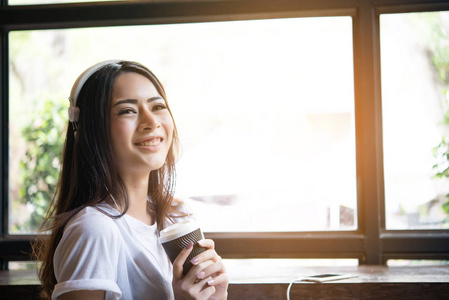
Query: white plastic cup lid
x,y
177,230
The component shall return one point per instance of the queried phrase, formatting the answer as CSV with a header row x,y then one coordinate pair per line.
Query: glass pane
x,y
415,65
265,112
23,265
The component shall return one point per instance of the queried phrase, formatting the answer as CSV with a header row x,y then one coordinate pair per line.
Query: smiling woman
x,y
114,196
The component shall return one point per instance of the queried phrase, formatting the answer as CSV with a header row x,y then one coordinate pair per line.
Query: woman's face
x,y
141,125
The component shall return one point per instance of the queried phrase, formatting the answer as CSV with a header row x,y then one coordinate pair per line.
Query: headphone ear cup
x,y
74,113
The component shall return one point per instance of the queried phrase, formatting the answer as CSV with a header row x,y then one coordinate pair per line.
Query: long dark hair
x,y
88,175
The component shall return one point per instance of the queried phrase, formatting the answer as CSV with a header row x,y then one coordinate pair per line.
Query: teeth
x,y
153,142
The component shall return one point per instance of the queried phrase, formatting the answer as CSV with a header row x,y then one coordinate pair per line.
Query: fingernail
x,y
194,260
190,245
211,282
201,275
201,242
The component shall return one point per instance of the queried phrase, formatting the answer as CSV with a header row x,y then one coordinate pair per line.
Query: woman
x,y
114,195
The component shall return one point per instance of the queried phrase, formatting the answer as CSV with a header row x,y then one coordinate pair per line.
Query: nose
x,y
148,120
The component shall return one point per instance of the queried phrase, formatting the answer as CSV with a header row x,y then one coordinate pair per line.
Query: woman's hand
x,y
217,270
207,279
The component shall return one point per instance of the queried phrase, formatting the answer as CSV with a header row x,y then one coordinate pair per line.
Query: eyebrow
x,y
134,101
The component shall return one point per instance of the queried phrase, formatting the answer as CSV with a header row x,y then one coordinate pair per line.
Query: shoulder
x,y
89,252
91,218
91,223
89,235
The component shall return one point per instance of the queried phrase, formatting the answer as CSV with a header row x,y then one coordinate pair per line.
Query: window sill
x,y
372,282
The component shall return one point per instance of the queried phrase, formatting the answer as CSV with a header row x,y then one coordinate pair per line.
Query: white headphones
x,y
74,111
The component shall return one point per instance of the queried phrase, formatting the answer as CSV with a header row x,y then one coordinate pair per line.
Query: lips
x,y
149,142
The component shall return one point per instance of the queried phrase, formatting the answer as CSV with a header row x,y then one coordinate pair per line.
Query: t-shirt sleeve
x,y
87,255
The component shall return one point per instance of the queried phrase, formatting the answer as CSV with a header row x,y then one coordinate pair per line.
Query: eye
x,y
159,106
126,111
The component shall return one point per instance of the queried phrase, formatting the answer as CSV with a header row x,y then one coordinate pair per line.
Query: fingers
x,y
206,243
218,280
179,261
203,289
192,275
206,278
204,256
201,269
208,255
209,268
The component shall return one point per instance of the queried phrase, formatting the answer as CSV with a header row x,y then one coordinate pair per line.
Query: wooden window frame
x,y
371,243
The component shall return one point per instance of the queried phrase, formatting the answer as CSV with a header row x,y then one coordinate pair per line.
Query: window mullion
x,y
368,129
3,138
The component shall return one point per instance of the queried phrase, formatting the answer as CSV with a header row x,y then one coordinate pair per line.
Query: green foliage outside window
x,y
441,152
439,53
37,122
44,135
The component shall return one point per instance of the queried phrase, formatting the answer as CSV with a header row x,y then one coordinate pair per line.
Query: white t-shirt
x,y
122,256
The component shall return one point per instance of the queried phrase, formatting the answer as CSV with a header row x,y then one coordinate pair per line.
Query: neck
x,y
138,194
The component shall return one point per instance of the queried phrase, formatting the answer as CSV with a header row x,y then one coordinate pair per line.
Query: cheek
x,y
120,132
168,126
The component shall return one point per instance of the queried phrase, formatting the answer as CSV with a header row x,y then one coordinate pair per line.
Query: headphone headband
x,y
80,81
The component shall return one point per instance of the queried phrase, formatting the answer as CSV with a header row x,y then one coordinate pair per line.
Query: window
x,y
311,141
414,108
263,108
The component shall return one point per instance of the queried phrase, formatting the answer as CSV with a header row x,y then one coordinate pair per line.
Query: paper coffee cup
x,y
178,236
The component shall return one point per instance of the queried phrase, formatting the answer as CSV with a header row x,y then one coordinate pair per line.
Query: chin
x,y
156,166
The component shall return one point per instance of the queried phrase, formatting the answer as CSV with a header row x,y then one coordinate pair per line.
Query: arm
x,y
83,295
